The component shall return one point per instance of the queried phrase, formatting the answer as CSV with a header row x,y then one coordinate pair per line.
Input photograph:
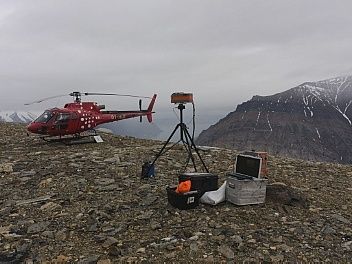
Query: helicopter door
x,y
74,123
62,121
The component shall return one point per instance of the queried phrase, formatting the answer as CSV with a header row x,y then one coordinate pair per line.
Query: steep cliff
x,y
311,121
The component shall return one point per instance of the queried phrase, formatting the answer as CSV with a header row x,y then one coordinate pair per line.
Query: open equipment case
x,y
245,186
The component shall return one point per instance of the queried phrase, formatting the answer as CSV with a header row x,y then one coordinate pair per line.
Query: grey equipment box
x,y
245,186
245,190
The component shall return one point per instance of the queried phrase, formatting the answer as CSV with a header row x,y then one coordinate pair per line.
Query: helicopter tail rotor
x,y
140,109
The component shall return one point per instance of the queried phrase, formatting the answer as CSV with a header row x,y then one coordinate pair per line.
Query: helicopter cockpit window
x,y
45,117
63,117
62,120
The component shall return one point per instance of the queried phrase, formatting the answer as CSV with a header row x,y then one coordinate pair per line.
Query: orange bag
x,y
184,187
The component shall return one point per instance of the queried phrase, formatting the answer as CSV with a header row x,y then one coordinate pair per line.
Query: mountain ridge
x,y
309,121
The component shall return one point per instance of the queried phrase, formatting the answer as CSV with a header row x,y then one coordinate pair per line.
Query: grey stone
x,y
110,241
89,260
193,247
6,167
237,239
28,173
48,234
141,250
328,230
38,227
104,181
226,252
341,218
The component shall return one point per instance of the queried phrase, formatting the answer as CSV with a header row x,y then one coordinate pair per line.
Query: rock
x,y
341,218
115,251
115,159
24,179
141,250
11,257
104,261
347,245
24,247
226,252
237,239
38,227
61,259
149,200
50,206
328,230
209,259
104,181
277,258
48,234
145,215
193,247
6,168
194,238
61,235
284,248
277,239
155,225
28,173
93,228
89,260
28,261
110,241
171,255
281,193
145,188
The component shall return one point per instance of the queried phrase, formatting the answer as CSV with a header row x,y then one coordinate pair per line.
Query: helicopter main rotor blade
x,y
78,94
128,95
45,99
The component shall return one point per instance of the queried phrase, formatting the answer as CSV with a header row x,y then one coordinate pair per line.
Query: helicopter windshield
x,y
45,117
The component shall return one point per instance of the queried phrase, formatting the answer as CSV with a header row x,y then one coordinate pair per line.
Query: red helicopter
x,y
78,117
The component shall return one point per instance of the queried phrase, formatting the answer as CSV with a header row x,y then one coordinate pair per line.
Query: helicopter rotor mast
x,y
76,96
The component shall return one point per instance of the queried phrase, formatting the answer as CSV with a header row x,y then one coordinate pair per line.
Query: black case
x,y
181,201
201,182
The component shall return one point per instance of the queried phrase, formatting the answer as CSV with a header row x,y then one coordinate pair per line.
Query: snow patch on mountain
x,y
17,116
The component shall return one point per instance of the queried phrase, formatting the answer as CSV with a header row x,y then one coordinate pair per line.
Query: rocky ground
x,y
87,204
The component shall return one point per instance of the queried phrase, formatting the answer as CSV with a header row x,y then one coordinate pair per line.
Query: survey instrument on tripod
x,y
185,138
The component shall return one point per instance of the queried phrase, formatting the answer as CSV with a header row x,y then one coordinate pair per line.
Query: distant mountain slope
x,y
311,121
134,128
17,116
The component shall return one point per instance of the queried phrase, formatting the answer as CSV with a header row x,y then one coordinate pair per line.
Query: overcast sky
x,y
224,52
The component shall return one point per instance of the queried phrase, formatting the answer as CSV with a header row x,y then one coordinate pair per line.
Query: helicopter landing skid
x,y
83,138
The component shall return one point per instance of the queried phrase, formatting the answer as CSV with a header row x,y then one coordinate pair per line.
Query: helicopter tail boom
x,y
150,109
110,116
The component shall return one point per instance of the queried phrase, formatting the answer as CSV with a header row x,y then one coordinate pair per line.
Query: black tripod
x,y
186,139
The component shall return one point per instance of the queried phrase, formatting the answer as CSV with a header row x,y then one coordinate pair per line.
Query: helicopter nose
x,y
33,127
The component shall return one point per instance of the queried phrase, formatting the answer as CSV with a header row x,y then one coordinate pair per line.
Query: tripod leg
x,y
164,146
188,146
196,150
